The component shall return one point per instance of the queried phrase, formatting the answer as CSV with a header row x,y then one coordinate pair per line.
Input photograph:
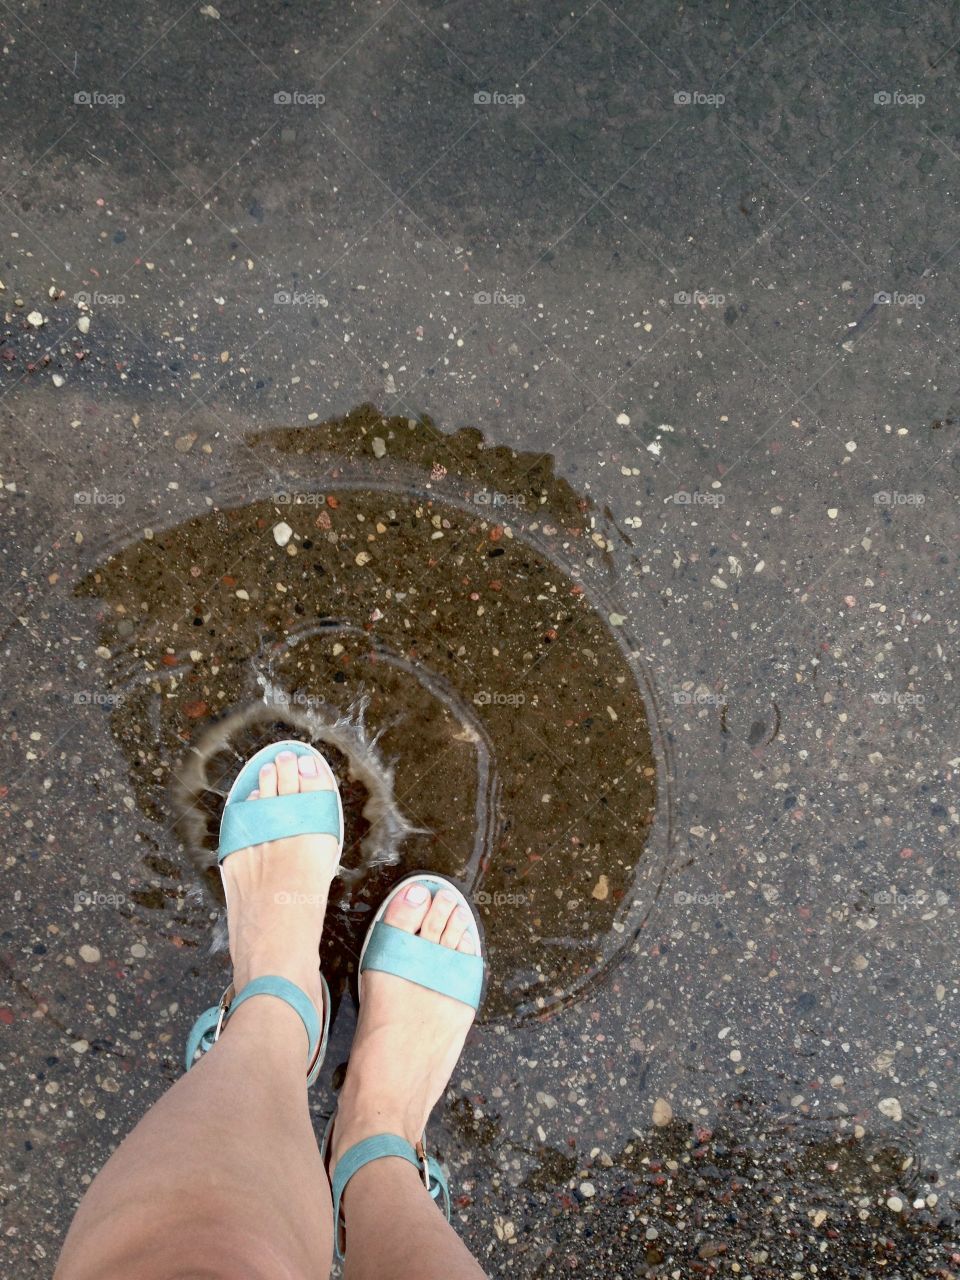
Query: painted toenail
x,y
417,894
308,766
285,756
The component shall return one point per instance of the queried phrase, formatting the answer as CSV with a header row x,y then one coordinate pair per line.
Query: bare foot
x,y
277,892
408,1039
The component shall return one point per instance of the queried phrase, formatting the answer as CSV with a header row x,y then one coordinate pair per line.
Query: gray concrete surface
x,y
698,264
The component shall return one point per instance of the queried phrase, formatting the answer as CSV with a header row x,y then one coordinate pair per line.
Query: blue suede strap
x,y
275,817
428,964
376,1148
245,822
201,1035
207,1027
292,995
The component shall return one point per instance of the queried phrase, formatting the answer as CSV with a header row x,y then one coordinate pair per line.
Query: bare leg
x,y
223,1178
407,1043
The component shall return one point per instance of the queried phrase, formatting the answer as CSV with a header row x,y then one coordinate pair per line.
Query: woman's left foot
x,y
277,892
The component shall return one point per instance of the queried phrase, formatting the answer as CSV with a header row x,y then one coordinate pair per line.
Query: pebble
x,y
183,444
379,447
832,512
662,1113
588,1190
90,954
83,324
36,319
58,379
601,889
282,533
891,1108
895,1203
623,420
138,950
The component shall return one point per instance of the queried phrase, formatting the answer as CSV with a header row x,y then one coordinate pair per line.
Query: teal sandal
x,y
246,822
387,949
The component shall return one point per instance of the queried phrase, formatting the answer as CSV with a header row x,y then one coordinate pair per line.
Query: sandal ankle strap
x,y
208,1027
376,1148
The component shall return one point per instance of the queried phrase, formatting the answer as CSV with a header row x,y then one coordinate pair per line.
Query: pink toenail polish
x,y
308,766
417,894
285,755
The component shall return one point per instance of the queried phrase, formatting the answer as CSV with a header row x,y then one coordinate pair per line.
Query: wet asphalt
x,y
691,274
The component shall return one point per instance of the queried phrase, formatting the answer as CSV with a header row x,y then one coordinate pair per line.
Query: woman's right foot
x,y
408,1038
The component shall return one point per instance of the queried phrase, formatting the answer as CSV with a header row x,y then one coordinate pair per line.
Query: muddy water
x,y
414,604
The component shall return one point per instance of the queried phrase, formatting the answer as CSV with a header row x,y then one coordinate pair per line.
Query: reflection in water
x,y
410,602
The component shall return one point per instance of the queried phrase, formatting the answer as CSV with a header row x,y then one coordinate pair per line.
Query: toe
x,y
455,928
441,909
288,776
315,774
254,794
468,943
268,780
408,909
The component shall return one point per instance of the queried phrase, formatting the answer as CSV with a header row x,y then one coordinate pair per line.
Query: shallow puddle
x,y
416,605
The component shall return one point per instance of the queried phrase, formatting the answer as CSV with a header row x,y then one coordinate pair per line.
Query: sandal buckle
x,y
224,1005
421,1151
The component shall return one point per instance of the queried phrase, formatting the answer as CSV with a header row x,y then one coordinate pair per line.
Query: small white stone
x,y
379,447
662,1113
90,954
832,512
895,1204
58,379
623,420
282,533
891,1108
83,324
851,446
36,319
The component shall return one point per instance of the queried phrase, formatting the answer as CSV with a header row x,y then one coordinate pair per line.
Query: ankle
x,y
367,1115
